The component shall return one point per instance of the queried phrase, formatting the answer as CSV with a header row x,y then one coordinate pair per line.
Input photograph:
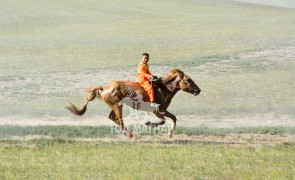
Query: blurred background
x,y
240,54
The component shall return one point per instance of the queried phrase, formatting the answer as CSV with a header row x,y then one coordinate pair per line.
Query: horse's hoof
x,y
148,123
170,134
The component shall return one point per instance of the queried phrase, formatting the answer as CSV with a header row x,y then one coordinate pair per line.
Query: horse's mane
x,y
171,75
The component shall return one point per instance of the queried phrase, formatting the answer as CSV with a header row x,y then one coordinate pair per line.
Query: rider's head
x,y
145,58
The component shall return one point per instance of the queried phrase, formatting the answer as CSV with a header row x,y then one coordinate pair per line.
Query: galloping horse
x,y
114,92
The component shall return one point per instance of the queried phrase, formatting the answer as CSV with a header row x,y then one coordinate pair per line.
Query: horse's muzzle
x,y
196,92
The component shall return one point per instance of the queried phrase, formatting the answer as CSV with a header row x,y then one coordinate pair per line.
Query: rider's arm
x,y
144,72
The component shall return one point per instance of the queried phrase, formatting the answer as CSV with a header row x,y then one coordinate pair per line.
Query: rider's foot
x,y
154,104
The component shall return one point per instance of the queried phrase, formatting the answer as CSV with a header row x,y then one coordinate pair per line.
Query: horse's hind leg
x,y
113,117
116,116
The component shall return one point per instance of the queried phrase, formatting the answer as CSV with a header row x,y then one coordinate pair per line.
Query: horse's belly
x,y
137,103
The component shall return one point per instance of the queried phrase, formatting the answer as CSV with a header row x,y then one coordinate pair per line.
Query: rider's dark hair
x,y
145,54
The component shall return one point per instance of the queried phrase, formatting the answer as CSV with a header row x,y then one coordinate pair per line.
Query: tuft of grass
x,y
56,131
50,142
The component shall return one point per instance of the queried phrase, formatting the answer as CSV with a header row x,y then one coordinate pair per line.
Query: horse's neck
x,y
171,94
170,91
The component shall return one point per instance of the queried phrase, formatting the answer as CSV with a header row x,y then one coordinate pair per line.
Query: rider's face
x,y
144,59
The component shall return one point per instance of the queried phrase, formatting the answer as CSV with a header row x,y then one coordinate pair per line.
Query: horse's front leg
x,y
159,123
173,126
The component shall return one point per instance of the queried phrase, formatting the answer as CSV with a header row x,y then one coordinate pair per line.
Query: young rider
x,y
143,77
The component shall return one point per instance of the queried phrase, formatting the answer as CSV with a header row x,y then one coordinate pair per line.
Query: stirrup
x,y
156,105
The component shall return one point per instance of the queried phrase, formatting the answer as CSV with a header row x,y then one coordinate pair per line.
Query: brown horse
x,y
114,93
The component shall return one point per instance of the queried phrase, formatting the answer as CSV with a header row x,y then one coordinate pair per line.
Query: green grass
x,y
69,132
57,155
56,131
63,160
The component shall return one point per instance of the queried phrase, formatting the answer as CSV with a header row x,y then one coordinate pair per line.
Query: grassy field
x,y
59,36
241,55
62,152
62,160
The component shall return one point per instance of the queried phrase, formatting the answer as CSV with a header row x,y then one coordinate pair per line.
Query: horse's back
x,y
125,87
118,84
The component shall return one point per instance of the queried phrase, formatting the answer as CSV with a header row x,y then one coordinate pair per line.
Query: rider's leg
x,y
149,89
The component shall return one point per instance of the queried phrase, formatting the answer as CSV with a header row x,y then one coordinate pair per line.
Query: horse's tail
x,y
92,92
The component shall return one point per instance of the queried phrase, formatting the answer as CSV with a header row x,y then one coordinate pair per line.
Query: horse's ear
x,y
181,75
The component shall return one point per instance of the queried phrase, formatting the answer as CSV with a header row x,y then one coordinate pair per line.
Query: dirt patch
x,y
274,54
255,58
131,121
235,140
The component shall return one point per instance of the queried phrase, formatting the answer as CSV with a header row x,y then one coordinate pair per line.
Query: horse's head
x,y
188,85
182,81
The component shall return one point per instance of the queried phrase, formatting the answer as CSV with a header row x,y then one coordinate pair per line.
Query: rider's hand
x,y
154,79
